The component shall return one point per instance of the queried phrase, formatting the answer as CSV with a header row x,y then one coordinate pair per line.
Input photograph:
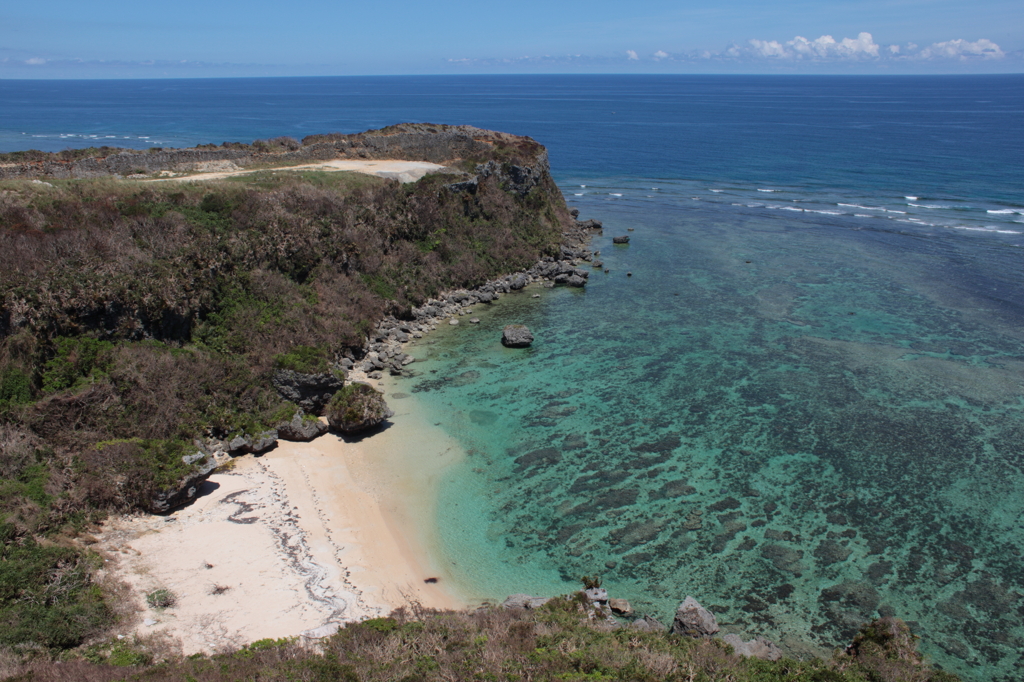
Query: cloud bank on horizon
x,y
822,51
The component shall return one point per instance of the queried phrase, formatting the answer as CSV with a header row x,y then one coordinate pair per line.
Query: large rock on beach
x,y
516,336
357,407
187,488
693,620
302,428
311,392
246,444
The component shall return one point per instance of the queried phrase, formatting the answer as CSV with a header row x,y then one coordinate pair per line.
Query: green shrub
x,y
161,599
78,361
303,359
15,386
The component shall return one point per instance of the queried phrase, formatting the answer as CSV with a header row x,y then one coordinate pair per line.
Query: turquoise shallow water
x,y
803,424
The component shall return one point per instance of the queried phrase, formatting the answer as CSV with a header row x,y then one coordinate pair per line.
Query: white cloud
x,y
632,55
859,49
660,54
824,48
962,50
35,61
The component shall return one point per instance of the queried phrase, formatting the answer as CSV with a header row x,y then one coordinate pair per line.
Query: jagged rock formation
x,y
693,620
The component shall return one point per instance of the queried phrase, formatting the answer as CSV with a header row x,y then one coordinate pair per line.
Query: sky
x,y
217,38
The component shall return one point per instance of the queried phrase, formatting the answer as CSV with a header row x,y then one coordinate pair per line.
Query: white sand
x,y
304,536
403,171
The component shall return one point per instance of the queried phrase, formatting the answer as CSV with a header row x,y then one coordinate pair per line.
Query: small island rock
x,y
624,239
357,407
516,336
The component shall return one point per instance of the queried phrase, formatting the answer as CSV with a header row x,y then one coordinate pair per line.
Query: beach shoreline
x,y
296,541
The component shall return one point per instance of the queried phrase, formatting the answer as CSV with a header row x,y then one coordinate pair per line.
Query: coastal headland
x,y
170,352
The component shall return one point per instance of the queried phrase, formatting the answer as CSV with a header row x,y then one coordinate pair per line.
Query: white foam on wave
x,y
811,210
984,229
614,194
582,185
864,208
863,215
928,205
716,191
578,194
910,198
1005,211
767,190
791,208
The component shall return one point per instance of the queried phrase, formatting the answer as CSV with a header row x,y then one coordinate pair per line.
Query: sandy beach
x,y
304,537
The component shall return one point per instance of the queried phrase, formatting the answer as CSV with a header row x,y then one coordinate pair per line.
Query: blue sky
x,y
121,38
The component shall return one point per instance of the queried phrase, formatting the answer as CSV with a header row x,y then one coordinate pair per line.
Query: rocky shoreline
x,y
383,351
690,620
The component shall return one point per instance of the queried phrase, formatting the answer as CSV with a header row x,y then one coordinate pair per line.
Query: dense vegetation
x,y
555,642
137,316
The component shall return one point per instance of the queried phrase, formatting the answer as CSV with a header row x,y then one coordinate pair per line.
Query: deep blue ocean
x,y
806,405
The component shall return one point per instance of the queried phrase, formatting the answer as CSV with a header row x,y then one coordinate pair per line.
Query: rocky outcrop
x,y
624,239
185,491
524,601
311,392
516,336
252,445
693,620
759,647
357,407
648,624
302,427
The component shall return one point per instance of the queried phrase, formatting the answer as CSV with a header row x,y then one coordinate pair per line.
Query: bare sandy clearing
x,y
403,171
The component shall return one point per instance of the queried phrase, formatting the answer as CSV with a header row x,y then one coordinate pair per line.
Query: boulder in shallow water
x,y
624,239
516,336
693,620
357,407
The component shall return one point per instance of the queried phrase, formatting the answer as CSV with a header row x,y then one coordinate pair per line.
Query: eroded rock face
x,y
311,392
357,407
301,428
186,490
693,620
516,336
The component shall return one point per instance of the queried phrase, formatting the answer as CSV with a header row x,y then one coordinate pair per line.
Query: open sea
x,y
806,405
